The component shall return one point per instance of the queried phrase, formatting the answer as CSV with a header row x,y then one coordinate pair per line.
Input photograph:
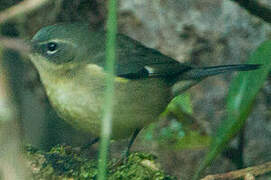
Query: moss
x,y
62,162
139,166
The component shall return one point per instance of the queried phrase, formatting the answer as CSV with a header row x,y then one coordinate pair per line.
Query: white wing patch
x,y
150,69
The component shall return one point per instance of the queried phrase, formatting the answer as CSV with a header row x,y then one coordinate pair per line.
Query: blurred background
x,y
203,33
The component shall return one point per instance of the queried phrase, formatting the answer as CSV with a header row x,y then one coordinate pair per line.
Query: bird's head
x,y
64,46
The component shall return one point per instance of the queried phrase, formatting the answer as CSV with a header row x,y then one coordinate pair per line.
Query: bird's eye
x,y
51,48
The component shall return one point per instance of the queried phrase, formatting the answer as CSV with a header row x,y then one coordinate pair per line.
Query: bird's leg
x,y
127,150
86,146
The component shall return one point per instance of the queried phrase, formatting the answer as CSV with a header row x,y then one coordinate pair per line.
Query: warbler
x,y
70,59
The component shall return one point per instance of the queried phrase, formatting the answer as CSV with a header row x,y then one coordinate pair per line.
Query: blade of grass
x,y
242,93
109,92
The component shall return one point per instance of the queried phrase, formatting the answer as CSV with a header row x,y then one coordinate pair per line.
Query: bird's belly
x,y
142,104
134,107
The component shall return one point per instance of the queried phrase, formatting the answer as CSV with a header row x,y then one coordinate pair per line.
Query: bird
x,y
70,60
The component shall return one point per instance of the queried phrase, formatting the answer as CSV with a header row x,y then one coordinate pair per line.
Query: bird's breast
x,y
76,105
136,103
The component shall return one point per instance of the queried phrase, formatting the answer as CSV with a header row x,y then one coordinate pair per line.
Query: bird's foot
x,y
123,159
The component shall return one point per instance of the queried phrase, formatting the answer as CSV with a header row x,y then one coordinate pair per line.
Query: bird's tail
x,y
193,76
201,73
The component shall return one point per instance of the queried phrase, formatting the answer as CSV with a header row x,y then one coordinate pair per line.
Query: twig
x,y
256,9
21,8
16,44
12,163
247,172
249,177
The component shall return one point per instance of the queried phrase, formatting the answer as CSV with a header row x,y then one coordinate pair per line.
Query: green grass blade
x,y
242,93
109,92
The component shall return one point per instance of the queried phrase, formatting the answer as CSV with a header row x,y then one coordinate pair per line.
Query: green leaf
x,y
183,102
182,132
193,140
242,93
179,105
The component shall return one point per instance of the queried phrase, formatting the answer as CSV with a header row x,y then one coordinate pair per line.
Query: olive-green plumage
x,y
70,59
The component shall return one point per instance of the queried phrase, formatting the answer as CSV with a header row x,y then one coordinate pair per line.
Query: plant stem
x,y
109,91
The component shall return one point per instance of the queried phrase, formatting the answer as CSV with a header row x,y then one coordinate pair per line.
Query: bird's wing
x,y
138,61
135,61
